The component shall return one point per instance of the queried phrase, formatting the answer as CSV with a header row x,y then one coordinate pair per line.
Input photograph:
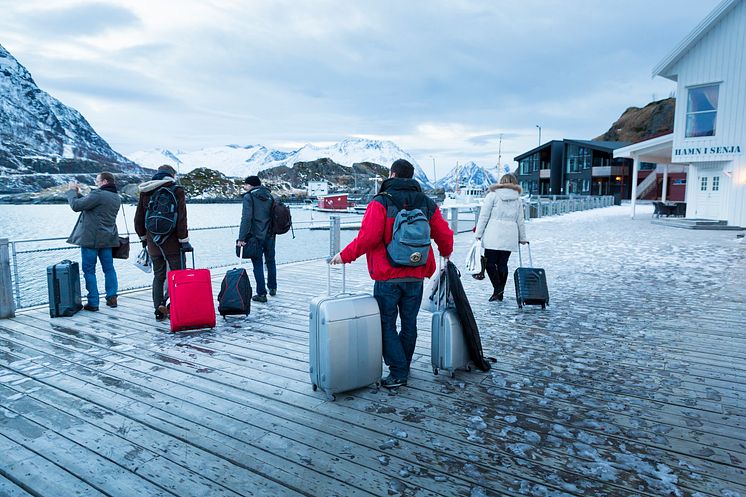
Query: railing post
x,y
454,219
335,235
7,304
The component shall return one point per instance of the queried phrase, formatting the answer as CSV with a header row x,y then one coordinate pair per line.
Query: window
x,y
715,183
701,111
578,158
703,184
586,185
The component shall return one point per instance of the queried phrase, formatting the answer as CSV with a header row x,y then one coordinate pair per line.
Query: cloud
x,y
441,78
79,20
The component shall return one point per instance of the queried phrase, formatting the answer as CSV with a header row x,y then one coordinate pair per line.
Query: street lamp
x,y
539,134
435,176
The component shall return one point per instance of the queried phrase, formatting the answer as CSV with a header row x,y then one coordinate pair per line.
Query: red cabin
x,y
335,202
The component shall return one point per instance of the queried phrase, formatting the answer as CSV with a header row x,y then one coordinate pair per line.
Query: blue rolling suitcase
x,y
530,283
63,285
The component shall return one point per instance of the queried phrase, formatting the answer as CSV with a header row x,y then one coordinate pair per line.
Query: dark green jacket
x,y
97,223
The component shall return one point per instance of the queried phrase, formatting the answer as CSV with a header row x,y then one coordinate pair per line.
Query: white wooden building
x,y
709,134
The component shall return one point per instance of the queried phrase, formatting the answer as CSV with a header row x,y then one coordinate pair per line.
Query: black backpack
x,y
162,214
282,220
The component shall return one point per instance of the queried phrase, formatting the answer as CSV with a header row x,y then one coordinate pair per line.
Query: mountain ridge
x,y
43,142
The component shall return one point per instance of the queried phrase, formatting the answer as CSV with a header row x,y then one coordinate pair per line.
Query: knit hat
x,y
253,181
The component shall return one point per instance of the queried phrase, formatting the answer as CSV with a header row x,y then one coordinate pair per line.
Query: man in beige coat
x,y
501,228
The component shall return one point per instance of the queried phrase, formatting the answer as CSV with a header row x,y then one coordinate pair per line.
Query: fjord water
x,y
212,248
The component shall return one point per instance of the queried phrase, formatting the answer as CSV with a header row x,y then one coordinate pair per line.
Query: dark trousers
x,y
402,299
268,256
160,266
499,258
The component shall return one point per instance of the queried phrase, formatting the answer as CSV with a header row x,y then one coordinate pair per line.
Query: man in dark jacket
x,y
256,222
96,234
398,290
165,251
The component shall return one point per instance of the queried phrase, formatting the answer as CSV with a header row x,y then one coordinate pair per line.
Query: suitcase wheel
x,y
543,306
331,397
453,374
314,387
435,371
468,367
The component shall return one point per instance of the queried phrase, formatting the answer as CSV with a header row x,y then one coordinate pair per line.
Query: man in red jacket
x,y
398,289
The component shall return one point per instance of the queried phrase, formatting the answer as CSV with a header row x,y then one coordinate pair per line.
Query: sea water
x,y
213,248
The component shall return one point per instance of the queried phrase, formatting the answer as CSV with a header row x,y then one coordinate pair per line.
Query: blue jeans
x,y
267,255
402,299
88,257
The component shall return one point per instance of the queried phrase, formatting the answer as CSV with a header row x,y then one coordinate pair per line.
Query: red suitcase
x,y
190,293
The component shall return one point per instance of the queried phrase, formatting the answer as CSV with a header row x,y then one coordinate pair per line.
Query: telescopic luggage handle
x,y
329,277
520,259
444,276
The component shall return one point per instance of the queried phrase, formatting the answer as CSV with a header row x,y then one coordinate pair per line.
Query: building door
x,y
709,187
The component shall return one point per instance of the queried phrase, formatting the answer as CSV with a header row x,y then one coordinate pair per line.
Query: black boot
x,y
501,288
480,274
495,276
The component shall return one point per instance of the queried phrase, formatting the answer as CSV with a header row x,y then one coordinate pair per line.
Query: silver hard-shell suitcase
x,y
344,341
448,347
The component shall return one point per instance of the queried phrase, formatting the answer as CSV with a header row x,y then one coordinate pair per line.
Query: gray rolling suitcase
x,y
344,341
63,285
448,350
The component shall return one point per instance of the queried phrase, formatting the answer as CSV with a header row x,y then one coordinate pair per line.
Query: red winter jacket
x,y
378,225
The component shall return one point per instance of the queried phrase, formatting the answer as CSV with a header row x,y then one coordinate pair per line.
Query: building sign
x,y
707,151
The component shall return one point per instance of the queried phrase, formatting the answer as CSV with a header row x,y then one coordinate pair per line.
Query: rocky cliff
x,y
44,143
636,124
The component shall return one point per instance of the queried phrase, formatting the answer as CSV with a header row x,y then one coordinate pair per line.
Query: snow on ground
x,y
635,370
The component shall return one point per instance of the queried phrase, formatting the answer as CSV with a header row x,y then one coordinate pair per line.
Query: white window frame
x,y
716,183
703,184
687,131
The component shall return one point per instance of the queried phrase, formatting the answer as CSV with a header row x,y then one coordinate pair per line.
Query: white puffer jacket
x,y
500,224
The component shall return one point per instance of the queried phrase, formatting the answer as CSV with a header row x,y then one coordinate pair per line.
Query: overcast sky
x,y
442,79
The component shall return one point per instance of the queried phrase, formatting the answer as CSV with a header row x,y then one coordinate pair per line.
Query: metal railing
x,y
30,258
540,207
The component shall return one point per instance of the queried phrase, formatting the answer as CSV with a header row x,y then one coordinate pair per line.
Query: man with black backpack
x,y
395,237
161,224
256,237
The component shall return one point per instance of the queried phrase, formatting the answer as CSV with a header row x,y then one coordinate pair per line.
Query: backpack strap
x,y
393,200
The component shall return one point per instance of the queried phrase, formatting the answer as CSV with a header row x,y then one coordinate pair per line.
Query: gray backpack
x,y
410,239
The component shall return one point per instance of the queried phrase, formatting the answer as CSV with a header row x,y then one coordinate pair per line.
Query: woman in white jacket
x,y
501,229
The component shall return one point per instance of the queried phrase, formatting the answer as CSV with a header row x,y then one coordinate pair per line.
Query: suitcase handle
x,y
520,259
437,288
184,259
329,277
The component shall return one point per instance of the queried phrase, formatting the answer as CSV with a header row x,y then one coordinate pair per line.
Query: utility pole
x,y
435,175
500,151
539,134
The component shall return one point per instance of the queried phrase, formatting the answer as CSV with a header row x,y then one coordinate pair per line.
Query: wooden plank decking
x,y
609,392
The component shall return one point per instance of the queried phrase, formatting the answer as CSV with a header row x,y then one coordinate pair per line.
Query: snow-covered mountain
x,y
240,161
469,174
39,135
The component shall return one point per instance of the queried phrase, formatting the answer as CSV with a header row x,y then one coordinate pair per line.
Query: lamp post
x,y
539,134
435,176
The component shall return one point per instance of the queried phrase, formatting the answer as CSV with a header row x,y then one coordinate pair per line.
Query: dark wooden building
x,y
581,167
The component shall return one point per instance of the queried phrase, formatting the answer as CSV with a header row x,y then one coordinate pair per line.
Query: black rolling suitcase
x,y
530,283
235,293
63,285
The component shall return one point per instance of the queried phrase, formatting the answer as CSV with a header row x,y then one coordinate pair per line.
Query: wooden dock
x,y
610,392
